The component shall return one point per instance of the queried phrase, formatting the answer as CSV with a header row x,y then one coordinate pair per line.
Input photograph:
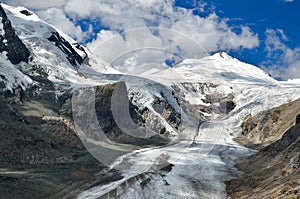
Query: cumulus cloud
x,y
284,62
57,17
145,45
189,34
211,32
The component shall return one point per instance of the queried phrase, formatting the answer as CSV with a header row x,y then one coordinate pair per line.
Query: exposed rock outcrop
x,y
274,172
74,58
163,108
267,127
15,49
108,121
213,102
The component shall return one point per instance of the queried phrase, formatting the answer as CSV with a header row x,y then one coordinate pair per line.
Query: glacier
x,y
200,155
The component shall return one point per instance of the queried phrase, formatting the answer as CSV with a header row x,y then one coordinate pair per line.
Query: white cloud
x,y
141,46
211,32
273,42
53,13
188,35
284,62
129,22
282,35
36,4
57,17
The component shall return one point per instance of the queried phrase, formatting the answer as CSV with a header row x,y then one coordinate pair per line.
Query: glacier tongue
x,y
204,157
202,160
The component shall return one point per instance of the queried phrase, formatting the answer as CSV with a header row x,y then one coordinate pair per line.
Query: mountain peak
x,y
223,55
222,67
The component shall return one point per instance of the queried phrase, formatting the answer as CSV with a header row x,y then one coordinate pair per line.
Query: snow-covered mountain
x,y
38,48
193,109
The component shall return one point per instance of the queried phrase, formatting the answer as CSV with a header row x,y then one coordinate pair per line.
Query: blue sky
x,y
262,32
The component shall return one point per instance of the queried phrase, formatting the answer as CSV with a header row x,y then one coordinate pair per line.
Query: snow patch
x,y
2,31
11,76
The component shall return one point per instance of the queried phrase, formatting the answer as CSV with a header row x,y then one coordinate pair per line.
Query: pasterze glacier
x,y
77,125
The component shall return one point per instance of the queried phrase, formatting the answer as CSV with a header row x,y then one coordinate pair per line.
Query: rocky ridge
x,y
274,171
10,43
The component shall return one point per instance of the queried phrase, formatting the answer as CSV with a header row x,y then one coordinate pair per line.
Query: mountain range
x,y
73,126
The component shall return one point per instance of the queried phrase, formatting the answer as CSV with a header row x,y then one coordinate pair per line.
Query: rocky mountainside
x,y
41,153
15,49
268,126
274,171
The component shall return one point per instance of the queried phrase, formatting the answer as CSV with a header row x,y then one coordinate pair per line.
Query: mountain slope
x,y
224,67
43,51
274,171
268,126
15,50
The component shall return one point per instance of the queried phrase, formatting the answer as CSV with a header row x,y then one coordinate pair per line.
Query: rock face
x,y
167,111
10,43
213,102
39,134
39,143
274,172
74,58
107,120
298,119
267,127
